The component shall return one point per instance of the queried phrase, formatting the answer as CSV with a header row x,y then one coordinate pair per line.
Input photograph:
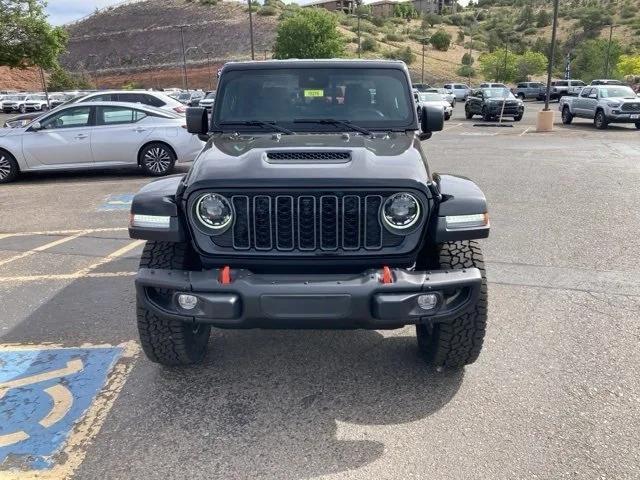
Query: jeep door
x,y
64,138
119,133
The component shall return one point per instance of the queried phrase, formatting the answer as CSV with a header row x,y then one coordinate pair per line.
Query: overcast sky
x,y
65,11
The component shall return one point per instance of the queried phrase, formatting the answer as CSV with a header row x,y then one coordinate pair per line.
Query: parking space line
x,y
525,131
112,256
63,232
63,276
42,248
452,126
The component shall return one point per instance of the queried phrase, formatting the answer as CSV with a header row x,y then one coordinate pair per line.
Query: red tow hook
x,y
387,277
225,275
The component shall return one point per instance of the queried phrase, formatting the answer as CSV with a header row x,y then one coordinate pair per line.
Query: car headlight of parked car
x,y
213,212
613,104
400,212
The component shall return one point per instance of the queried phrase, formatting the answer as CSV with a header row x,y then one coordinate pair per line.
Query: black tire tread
x,y
458,343
164,340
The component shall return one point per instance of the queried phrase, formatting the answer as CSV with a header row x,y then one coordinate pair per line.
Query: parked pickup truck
x,y
604,104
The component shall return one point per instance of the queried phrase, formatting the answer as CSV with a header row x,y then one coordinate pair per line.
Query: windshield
x,y
184,96
430,97
210,96
15,97
497,93
369,97
616,92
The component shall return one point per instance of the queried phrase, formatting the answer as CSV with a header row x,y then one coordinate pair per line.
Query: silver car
x,y
447,94
98,135
460,90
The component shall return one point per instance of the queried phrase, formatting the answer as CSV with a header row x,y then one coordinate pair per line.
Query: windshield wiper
x,y
250,123
333,121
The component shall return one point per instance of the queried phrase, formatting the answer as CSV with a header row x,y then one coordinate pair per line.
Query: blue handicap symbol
x,y
121,201
43,393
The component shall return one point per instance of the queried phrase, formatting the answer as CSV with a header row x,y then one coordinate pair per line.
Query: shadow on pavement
x,y
265,404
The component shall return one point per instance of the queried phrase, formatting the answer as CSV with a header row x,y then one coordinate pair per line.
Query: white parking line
x,y
42,248
62,232
525,131
452,126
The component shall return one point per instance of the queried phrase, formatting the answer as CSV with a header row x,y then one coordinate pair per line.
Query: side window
x,y
447,86
522,85
152,101
68,118
131,97
105,97
585,92
118,115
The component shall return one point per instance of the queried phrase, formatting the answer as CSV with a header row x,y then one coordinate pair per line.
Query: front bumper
x,y
623,117
327,301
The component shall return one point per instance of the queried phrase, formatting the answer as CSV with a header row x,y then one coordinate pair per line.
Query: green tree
x,y
526,17
431,19
405,10
592,19
466,71
309,33
530,63
590,59
543,18
467,59
500,65
629,65
440,40
369,44
61,79
26,37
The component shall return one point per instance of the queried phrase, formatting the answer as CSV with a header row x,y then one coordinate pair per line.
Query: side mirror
x,y
197,121
432,120
35,126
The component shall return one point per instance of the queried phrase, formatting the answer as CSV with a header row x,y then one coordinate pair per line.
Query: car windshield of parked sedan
x,y
430,97
184,97
310,99
614,91
497,93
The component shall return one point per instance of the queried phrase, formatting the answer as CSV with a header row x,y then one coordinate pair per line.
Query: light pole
x,y
185,81
606,68
253,55
544,119
184,58
208,54
424,40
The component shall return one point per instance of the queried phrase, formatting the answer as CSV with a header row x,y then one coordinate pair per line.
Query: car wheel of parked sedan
x,y
567,117
600,121
8,167
157,159
22,109
453,103
467,112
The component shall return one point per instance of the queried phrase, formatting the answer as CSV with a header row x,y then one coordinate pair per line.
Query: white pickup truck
x,y
604,104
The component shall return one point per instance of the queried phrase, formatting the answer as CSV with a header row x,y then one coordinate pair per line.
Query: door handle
x,y
139,129
80,136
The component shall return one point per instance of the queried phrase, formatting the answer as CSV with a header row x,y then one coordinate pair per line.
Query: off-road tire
x,y
9,168
166,341
600,120
467,112
457,343
567,116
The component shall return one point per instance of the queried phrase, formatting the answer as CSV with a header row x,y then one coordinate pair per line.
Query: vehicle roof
x,y
152,92
306,63
139,106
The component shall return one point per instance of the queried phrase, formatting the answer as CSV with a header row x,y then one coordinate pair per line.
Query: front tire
x,y
638,125
8,167
157,159
600,120
518,117
447,116
164,340
486,116
22,109
457,343
467,112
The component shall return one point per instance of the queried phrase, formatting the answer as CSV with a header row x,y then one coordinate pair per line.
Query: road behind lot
x,y
555,393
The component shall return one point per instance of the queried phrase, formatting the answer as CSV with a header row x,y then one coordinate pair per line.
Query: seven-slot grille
x,y
307,222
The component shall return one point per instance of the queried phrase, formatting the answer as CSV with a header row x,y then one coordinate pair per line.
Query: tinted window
x,y
585,92
105,97
522,85
69,118
366,96
562,84
118,115
458,86
578,83
152,101
131,97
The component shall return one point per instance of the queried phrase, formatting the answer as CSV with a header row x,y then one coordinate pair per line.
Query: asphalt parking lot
x,y
555,393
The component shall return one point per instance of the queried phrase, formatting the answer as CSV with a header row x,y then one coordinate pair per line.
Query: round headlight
x,y
401,211
214,211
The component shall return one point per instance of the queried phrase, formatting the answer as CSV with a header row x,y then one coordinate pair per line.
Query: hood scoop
x,y
309,156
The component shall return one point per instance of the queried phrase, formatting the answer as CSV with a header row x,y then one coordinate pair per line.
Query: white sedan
x,y
429,98
98,135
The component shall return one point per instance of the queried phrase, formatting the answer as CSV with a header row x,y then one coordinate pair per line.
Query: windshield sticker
x,y
314,93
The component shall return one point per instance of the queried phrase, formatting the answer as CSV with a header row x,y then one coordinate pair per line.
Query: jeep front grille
x,y
307,222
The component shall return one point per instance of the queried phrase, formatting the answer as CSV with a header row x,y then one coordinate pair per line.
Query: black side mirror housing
x,y
197,121
432,120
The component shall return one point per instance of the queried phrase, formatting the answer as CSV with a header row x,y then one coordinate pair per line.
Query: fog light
x,y
187,302
428,301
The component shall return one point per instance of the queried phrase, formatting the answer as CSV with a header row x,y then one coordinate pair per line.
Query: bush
x,y
393,37
543,18
531,31
466,71
467,59
268,11
309,33
440,40
369,44
405,54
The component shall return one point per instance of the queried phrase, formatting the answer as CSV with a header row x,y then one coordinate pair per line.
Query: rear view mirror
x,y
432,120
197,120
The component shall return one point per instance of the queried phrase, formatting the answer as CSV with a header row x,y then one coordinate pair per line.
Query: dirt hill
x,y
22,80
142,41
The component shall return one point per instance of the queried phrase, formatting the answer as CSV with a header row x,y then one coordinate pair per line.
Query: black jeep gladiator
x,y
312,205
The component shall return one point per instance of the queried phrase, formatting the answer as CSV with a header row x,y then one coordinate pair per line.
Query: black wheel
x,y
486,116
467,112
457,343
638,125
567,117
453,103
521,96
166,341
8,167
518,117
447,116
45,108
22,109
600,121
157,159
